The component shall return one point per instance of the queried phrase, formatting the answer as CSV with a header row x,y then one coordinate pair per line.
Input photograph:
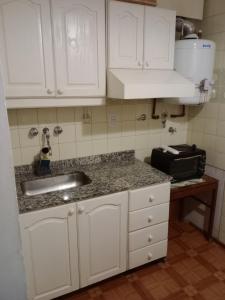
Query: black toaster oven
x,y
186,162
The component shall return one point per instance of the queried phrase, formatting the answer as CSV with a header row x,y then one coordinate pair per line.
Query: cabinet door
x,y
159,38
26,48
126,23
79,36
102,236
49,241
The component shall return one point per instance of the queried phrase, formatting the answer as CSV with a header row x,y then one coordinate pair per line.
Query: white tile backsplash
x,y
27,117
96,134
84,148
47,116
17,157
65,115
69,133
83,132
99,131
100,146
115,144
15,137
67,150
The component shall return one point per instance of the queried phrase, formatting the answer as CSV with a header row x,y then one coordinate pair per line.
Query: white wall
x,y
207,123
185,8
12,276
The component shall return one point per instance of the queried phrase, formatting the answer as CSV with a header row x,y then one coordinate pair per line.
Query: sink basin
x,y
52,184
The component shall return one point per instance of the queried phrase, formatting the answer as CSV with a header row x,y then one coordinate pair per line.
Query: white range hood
x,y
146,84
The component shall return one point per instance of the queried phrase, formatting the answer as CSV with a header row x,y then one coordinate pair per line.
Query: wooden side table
x,y
209,186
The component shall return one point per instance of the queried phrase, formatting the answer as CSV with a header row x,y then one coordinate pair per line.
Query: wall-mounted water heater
x,y
194,59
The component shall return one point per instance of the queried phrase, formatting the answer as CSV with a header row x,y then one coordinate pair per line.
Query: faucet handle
x,y
58,130
46,130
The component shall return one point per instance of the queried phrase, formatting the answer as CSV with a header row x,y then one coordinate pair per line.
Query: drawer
x,y
146,197
148,216
147,254
148,236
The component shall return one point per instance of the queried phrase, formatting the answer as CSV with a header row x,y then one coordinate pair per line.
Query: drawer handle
x,y
149,256
151,198
150,238
71,212
59,92
150,218
49,91
81,209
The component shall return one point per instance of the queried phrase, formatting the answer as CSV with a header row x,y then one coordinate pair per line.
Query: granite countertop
x,y
109,173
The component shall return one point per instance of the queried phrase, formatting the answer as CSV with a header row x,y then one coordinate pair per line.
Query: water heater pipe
x,y
184,27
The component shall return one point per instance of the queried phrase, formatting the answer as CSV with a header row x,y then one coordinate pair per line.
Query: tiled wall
x,y
96,135
207,123
207,130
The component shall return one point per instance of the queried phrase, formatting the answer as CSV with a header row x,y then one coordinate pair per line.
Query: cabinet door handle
x,y
150,238
49,91
59,92
149,256
150,218
81,209
71,211
151,198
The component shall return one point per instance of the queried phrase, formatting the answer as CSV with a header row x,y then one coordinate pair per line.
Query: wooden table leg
x,y
181,210
212,213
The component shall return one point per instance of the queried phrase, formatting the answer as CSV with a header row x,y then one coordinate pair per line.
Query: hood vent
x,y
147,84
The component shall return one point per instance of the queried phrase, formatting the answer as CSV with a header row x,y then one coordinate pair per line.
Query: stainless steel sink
x,y
52,184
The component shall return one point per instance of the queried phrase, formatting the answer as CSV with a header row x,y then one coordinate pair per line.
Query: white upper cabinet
x,y
125,32
102,237
159,38
79,43
52,49
26,48
49,240
140,37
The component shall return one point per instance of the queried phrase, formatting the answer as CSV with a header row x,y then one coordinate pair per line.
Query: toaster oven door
x,y
186,168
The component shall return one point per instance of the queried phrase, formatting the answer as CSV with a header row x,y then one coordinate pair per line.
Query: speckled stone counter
x,y
109,173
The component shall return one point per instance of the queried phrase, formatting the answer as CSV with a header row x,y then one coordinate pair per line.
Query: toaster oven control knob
x,y
151,198
150,218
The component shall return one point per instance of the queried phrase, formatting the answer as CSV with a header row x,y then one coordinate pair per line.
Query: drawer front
x,y
146,197
148,236
148,216
147,254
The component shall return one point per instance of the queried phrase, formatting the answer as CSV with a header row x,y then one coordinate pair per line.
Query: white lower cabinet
x,y
49,241
148,224
102,237
72,246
